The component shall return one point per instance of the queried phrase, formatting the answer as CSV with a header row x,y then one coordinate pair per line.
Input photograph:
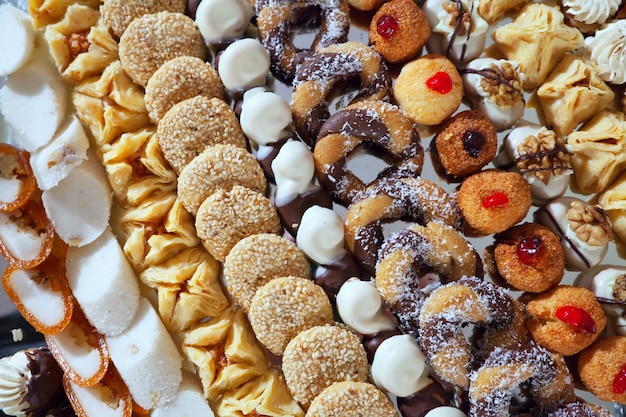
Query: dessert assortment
x,y
190,241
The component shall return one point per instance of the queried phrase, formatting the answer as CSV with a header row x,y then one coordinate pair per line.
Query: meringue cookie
x,y
591,12
360,307
223,19
321,235
294,169
264,116
399,366
608,49
244,64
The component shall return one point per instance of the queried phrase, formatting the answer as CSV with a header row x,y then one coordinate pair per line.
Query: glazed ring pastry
x,y
493,385
415,260
447,311
275,19
365,122
394,199
318,73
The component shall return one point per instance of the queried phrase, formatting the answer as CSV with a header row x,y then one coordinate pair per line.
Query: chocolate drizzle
x,y
44,393
562,234
493,75
458,25
332,276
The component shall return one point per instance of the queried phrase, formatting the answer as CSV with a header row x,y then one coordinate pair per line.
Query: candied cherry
x,y
440,82
387,26
619,382
495,199
473,143
528,248
577,318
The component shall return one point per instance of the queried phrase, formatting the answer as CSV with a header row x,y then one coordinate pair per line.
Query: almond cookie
x,y
257,259
179,79
226,217
153,39
320,356
350,398
602,367
286,306
218,167
195,124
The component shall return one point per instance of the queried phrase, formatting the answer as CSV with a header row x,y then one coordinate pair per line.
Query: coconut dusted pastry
x,y
495,87
494,10
537,38
573,93
589,15
598,151
540,155
458,30
608,48
584,229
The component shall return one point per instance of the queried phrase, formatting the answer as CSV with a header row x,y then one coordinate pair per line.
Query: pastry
x,y
601,368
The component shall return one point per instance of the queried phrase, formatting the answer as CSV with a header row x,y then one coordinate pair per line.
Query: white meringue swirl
x,y
14,377
607,48
591,11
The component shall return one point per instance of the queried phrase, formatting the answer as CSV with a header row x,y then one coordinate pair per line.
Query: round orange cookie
x,y
491,201
350,398
602,368
429,89
529,257
399,30
565,319
465,143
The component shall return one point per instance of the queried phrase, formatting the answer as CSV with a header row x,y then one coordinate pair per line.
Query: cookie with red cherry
x,y
602,368
565,319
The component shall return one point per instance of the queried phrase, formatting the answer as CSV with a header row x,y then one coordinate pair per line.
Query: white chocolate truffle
x,y
607,48
462,46
223,19
244,64
579,255
264,116
445,411
360,307
294,170
321,235
399,366
503,114
557,184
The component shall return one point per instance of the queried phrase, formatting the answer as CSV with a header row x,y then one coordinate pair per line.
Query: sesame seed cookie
x,y
151,40
218,167
179,79
226,217
320,356
117,14
284,307
195,124
350,398
257,259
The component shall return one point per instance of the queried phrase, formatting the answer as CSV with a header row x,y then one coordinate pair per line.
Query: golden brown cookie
x,y
320,356
218,167
366,5
192,125
602,368
565,319
429,89
179,79
286,306
257,259
153,39
352,399
399,30
465,143
117,14
491,201
226,217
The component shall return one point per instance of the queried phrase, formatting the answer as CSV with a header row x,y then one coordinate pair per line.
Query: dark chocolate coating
x,y
420,403
44,391
291,213
331,277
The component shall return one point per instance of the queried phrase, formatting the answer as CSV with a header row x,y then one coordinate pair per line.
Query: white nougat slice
x,y
189,401
24,242
33,102
67,150
104,284
79,207
147,359
17,39
105,399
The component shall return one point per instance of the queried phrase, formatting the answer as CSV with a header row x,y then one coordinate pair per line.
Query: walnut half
x,y
543,155
590,223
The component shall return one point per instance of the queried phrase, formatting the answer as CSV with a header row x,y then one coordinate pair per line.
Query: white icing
x,y
602,283
445,411
608,49
464,48
541,192
264,116
554,216
399,366
591,11
618,325
244,64
294,169
360,307
321,236
502,117
14,378
221,19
